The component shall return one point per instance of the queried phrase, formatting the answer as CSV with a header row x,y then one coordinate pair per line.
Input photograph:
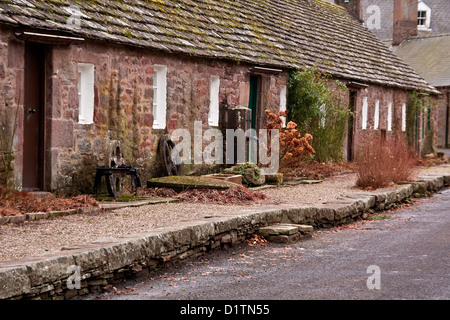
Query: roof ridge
x,y
282,33
418,37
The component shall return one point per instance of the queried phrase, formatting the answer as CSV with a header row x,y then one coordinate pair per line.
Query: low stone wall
x,y
100,263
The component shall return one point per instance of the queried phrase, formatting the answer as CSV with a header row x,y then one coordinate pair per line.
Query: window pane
x,y
159,96
213,115
283,100
86,93
364,113
376,122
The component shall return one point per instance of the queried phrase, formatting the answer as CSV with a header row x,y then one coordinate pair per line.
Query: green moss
x,y
190,182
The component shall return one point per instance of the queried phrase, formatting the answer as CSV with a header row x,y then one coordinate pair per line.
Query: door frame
x,y
252,119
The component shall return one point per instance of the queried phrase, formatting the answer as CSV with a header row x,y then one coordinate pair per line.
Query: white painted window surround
x,y
283,102
159,97
404,117
376,120
214,88
389,117
365,108
86,78
423,16
323,111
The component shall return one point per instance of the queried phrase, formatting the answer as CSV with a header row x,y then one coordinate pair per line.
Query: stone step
x,y
277,230
284,233
302,228
285,229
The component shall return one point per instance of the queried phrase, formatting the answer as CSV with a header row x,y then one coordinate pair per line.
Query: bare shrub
x,y
380,164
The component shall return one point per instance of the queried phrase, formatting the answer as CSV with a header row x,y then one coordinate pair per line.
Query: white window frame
x,y
323,114
214,89
86,81
159,107
376,120
365,109
389,117
283,103
404,117
422,7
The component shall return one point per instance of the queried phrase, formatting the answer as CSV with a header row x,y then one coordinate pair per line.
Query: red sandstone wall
x,y
123,104
11,103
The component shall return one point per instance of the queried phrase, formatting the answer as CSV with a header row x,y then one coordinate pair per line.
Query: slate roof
x,y
428,56
277,33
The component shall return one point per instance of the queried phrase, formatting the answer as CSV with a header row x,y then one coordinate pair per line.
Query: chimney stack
x,y
353,7
405,20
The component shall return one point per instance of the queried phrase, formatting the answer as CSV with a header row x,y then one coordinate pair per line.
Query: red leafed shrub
x,y
293,147
380,164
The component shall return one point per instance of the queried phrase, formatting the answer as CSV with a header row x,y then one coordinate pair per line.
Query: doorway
x,y
252,118
34,117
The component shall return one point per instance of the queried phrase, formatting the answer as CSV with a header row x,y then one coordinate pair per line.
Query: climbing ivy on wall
x,y
419,115
315,105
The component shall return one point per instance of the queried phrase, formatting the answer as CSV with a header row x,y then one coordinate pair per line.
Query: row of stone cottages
x,y
76,75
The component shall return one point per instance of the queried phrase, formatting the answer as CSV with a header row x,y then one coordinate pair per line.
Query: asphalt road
x,y
402,256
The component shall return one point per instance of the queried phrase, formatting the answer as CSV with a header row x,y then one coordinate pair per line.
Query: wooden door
x,y
34,109
252,119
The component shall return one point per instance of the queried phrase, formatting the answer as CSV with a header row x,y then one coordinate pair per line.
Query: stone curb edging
x,y
107,260
33,216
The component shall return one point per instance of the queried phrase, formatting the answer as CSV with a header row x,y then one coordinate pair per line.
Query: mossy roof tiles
x,y
429,56
277,33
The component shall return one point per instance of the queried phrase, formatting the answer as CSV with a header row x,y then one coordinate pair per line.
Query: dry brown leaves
x,y
257,240
14,202
235,195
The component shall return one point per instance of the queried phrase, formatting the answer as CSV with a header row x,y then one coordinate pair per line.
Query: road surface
x,y
405,255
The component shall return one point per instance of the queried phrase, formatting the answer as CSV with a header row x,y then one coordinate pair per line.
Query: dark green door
x,y
253,102
252,119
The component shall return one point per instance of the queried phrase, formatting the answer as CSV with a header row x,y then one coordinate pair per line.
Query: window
x,y
389,117
423,16
214,87
85,93
404,117
283,99
376,120
323,115
364,113
159,97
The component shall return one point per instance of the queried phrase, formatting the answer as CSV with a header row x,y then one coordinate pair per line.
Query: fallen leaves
x,y
257,240
13,202
234,195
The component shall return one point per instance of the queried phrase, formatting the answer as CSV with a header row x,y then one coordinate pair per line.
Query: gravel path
x,y
38,238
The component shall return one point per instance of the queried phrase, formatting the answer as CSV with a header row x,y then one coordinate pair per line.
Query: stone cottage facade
x,y
77,75
429,56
